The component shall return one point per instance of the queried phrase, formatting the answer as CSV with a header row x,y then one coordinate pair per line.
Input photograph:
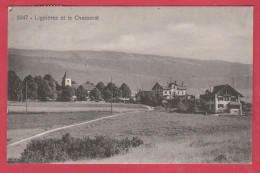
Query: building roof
x,y
167,86
161,84
88,86
234,103
219,88
179,86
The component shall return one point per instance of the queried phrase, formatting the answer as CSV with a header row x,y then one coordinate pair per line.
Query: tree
x,y
81,93
107,94
89,83
14,86
95,94
66,94
58,86
117,92
31,87
181,107
147,98
126,92
101,87
47,77
158,99
44,90
53,84
114,89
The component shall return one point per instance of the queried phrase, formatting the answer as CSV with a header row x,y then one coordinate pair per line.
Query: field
x,y
44,116
175,138
170,137
18,107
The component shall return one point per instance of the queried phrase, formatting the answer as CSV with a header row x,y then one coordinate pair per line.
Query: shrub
x,y
70,148
181,107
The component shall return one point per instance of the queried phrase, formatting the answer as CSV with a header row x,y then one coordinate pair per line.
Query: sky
x,y
207,33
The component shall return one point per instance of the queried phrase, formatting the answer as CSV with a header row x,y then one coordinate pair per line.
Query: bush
x,y
181,107
70,148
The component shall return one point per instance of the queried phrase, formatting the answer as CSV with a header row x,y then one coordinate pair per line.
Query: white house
x,y
169,90
223,99
177,89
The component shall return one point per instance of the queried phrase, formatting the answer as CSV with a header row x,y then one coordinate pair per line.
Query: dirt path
x,y
73,125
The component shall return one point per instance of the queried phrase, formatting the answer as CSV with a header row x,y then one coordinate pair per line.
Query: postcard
x,y
130,85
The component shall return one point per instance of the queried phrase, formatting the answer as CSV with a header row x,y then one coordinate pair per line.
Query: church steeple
x,y
65,80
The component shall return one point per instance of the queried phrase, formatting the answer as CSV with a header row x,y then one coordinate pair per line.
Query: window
x,y
226,98
220,106
233,99
220,98
170,92
68,80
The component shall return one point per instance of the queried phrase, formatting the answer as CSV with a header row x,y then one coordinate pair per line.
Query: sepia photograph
x,y
130,85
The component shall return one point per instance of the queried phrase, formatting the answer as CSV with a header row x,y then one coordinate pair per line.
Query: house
x,y
160,89
134,95
169,90
223,99
176,89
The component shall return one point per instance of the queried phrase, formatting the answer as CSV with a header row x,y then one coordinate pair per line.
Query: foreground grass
x,y
175,138
213,149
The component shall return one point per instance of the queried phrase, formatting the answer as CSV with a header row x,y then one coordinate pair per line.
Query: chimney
x,y
175,82
182,83
211,89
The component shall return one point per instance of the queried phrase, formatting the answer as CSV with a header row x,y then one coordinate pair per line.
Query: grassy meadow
x,y
168,137
43,116
174,138
83,106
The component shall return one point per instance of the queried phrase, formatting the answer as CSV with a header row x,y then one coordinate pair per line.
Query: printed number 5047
x,y
22,17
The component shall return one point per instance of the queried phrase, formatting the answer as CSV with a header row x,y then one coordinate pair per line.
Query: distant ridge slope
x,y
136,70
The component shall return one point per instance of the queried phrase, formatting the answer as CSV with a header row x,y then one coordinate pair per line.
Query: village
x,y
40,109
220,99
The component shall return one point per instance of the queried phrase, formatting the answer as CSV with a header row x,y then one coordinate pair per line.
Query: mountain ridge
x,y
107,51
137,70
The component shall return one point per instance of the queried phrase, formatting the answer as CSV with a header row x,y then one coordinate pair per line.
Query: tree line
x,y
47,88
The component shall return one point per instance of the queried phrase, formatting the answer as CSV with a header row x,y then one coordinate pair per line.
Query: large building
x,y
169,90
223,99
